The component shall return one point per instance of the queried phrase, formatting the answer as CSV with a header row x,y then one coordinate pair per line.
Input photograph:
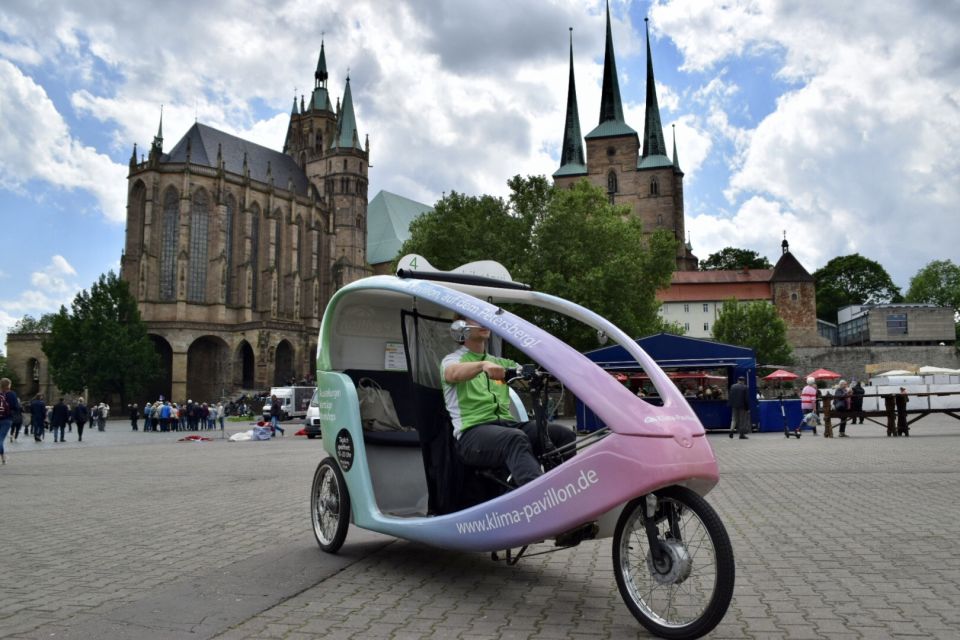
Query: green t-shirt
x,y
479,400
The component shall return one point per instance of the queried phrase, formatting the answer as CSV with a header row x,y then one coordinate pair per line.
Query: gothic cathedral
x,y
233,249
641,177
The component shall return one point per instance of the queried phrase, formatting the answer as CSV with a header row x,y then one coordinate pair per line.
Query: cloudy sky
x,y
835,120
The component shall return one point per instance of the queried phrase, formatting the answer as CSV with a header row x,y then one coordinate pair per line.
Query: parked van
x,y
293,401
312,422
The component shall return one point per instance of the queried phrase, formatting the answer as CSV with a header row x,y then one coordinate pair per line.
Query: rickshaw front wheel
x,y
684,592
329,506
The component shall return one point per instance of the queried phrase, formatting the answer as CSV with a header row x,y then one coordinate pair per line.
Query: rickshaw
x,y
640,479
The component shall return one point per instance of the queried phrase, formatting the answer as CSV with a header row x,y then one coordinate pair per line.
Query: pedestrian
x,y
221,414
808,404
165,417
856,402
841,403
17,422
902,399
134,414
38,416
9,403
739,403
275,413
58,419
80,414
104,414
147,411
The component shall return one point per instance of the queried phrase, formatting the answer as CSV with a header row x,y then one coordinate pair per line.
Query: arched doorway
x,y
243,366
161,385
207,369
32,385
283,372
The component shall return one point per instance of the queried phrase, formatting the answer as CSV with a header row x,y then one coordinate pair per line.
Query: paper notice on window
x,y
395,357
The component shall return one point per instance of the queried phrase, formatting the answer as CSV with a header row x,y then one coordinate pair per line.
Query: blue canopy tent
x,y
680,353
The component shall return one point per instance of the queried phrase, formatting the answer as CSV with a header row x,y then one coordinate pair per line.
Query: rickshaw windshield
x,y
608,399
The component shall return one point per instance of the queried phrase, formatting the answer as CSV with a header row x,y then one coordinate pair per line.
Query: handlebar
x,y
527,372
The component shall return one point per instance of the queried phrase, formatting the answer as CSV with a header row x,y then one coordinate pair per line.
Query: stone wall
x,y
850,361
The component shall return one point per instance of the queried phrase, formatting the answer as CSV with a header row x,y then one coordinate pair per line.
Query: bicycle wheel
x,y
329,506
686,593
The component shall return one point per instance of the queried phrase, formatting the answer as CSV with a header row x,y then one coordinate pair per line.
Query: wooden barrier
x,y
897,422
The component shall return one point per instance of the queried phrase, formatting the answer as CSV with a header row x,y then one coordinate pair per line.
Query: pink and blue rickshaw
x,y
640,480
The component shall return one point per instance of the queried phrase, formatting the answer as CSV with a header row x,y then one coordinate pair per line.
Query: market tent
x,y
936,370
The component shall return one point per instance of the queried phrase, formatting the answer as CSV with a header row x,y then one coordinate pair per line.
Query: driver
x,y
478,401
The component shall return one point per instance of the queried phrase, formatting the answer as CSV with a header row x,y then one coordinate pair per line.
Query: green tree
x,y
568,242
7,372
29,324
731,259
852,279
756,325
937,283
101,344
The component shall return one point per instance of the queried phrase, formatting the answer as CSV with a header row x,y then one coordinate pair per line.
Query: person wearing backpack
x,y
9,404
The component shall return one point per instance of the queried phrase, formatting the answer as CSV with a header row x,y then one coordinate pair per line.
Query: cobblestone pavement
x,y
133,535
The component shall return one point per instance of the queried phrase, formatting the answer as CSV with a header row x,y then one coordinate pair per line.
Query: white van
x,y
293,402
312,422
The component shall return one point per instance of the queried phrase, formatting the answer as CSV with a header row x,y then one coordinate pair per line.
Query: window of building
x,y
654,187
706,307
344,164
686,308
278,239
897,324
231,212
199,241
794,296
168,245
611,151
255,257
659,220
706,326
686,326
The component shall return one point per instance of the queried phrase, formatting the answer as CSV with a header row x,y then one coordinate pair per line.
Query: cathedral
x,y
232,249
639,175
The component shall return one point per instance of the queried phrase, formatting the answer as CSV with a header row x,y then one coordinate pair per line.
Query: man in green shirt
x,y
478,401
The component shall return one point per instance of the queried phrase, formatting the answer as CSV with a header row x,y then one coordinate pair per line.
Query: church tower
x,y
642,177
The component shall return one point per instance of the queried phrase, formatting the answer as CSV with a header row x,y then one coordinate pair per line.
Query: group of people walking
x,y
164,415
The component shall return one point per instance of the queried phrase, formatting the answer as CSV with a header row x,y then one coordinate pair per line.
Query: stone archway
x,y
162,384
207,366
283,371
244,366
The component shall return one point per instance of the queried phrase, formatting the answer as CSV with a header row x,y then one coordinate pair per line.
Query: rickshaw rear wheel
x,y
329,506
686,592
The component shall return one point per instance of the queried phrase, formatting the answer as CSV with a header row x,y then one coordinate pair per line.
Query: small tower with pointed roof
x,y
795,298
634,172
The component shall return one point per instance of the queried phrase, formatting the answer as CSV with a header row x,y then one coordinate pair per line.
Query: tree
x,y
732,259
756,325
101,344
29,324
7,372
937,283
568,242
850,280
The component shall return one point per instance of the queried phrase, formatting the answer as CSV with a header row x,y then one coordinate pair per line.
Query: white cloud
x,y
35,143
50,287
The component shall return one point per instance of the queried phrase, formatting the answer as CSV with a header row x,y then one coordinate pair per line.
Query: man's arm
x,y
463,371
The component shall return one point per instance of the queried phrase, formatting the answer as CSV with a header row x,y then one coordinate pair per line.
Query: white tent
x,y
938,370
895,373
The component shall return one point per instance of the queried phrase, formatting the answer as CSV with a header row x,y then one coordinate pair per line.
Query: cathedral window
x,y
612,182
199,224
168,245
654,187
255,256
231,213
344,164
278,232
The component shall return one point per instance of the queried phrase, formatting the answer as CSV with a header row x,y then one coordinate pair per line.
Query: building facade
x,y
233,249
635,173
896,324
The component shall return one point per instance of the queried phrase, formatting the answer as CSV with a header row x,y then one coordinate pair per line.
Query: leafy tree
x,y
7,372
29,324
732,259
567,242
756,325
852,279
101,344
937,283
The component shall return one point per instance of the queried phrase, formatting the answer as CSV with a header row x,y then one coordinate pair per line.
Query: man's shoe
x,y
731,435
843,435
744,438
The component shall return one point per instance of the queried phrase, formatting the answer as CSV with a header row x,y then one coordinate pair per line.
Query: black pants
x,y
511,444
80,426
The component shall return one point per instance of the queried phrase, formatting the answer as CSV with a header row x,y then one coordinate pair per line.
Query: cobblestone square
x,y
135,535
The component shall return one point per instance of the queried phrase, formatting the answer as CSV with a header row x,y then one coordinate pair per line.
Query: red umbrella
x,y
781,376
823,374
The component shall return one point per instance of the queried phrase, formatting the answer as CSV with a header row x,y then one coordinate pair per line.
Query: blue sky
x,y
835,121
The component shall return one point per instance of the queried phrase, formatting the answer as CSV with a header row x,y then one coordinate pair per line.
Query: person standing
x,y
808,401
134,414
147,411
9,404
58,419
221,414
80,415
841,402
17,423
275,413
901,399
856,402
38,416
102,418
738,400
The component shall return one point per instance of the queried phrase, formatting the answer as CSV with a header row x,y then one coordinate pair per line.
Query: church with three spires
x,y
637,174
233,249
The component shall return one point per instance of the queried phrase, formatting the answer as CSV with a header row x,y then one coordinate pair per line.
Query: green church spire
x,y
347,135
653,144
611,107
571,154
320,75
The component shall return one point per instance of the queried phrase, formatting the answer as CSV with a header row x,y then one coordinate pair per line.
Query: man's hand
x,y
494,371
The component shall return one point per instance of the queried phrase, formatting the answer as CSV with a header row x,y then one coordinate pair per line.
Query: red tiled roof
x,y
710,291
717,277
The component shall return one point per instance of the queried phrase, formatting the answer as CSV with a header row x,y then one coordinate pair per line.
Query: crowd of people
x,y
37,418
164,415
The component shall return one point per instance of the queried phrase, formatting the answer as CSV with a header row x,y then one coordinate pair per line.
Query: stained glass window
x,y
199,238
168,245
